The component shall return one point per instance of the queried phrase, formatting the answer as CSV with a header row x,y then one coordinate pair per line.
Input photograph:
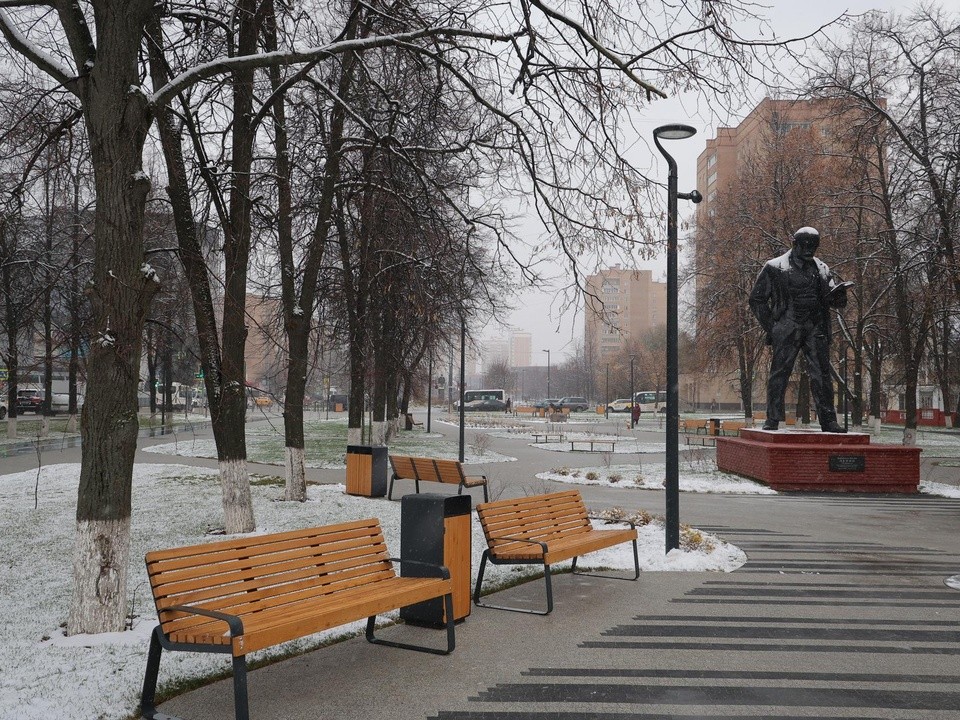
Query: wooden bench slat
x,y
268,597
195,561
271,567
252,542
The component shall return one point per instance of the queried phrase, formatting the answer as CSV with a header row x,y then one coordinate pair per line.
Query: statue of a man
x,y
792,298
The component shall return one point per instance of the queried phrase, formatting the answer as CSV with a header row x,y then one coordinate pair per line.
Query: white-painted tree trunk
x,y
45,426
12,428
910,436
237,503
354,436
72,423
100,558
379,432
296,488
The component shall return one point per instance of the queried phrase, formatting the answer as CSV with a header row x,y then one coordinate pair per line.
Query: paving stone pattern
x,y
855,630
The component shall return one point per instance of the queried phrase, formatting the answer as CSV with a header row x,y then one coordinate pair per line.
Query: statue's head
x,y
806,240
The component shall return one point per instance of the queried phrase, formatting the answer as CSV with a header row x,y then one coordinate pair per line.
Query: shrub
x,y
692,540
614,477
592,476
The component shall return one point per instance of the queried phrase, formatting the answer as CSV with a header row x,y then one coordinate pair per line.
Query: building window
x,y
711,161
711,178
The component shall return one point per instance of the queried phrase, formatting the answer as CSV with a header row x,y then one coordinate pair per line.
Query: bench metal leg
x,y
451,633
148,699
546,576
636,568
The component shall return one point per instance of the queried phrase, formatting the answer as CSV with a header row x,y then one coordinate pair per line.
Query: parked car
x,y
3,408
619,405
29,400
544,404
573,404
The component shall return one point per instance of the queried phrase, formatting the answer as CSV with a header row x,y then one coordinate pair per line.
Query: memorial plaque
x,y
848,463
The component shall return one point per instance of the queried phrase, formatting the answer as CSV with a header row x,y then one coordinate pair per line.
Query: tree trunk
x,y
222,363
122,288
297,342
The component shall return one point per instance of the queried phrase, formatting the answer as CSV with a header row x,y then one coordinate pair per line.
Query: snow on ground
x,y
44,675
940,489
702,477
265,449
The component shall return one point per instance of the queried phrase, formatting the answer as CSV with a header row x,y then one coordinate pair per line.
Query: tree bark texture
x,y
117,120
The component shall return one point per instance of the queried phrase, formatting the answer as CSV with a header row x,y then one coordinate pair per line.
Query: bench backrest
x,y
448,471
541,517
427,469
403,467
266,571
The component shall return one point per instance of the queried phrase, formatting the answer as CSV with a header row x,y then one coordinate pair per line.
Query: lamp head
x,y
674,131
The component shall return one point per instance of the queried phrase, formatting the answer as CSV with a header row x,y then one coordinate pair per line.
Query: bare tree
x,y
576,70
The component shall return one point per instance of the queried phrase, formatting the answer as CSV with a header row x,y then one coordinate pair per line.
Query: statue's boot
x,y
771,425
832,427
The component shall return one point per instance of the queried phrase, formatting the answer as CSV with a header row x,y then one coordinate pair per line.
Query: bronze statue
x,y
792,298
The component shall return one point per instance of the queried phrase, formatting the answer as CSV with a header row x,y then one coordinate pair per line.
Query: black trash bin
x,y
367,470
436,529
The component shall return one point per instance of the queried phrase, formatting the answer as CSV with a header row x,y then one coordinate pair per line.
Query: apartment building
x,y
621,303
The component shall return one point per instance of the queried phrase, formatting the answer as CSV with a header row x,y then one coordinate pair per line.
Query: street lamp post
x,y
463,362
548,373
672,483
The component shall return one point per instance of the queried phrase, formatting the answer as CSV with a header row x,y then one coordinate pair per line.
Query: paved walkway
x,y
840,612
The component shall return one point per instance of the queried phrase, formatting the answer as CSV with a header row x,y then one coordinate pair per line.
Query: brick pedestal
x,y
816,461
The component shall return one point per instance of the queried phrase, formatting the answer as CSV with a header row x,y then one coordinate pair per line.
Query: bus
x,y
651,400
490,399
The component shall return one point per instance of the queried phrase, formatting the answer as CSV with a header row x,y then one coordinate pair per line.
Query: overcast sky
x,y
539,311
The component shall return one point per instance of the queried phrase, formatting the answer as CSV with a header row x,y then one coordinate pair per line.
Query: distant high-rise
x,y
621,304
521,348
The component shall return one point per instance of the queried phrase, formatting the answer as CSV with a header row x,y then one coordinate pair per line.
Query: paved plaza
x,y
840,612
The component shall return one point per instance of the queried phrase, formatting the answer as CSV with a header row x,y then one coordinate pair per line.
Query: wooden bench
x,y
695,426
611,443
543,529
547,437
421,470
238,596
733,427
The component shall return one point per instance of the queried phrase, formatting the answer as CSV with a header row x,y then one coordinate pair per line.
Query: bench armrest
x,y
440,571
543,545
233,621
633,525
